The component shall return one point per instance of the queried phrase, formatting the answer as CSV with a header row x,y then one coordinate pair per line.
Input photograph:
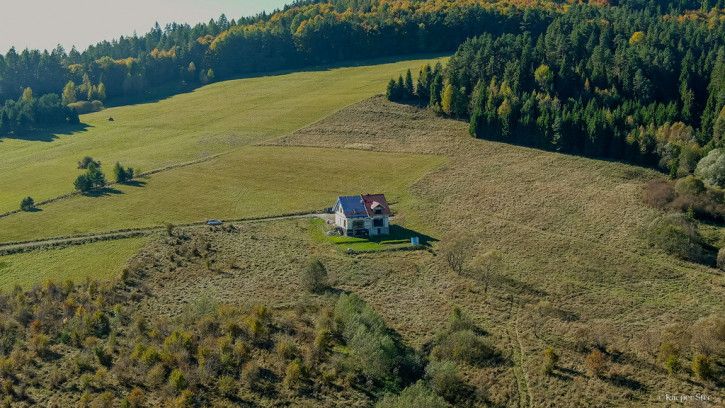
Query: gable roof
x,y
372,201
352,206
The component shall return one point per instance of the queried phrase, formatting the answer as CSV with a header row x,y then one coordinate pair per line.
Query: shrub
x,y
27,204
550,360
659,193
136,398
179,341
170,229
252,374
104,400
294,374
673,365
462,346
458,320
151,356
721,258
676,234
156,375
712,168
104,358
668,350
443,379
177,380
40,344
314,277
416,395
596,362
701,367
83,107
690,185
83,164
227,386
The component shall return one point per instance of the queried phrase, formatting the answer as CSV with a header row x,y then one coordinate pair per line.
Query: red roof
x,y
374,200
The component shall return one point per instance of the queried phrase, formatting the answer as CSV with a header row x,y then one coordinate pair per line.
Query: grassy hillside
x,y
576,272
254,181
217,118
74,262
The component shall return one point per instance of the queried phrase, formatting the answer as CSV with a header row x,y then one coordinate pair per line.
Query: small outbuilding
x,y
362,215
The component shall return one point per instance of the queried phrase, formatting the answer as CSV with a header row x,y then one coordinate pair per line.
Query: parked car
x,y
213,222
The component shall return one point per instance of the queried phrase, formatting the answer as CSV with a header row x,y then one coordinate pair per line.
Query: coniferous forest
x,y
642,83
633,80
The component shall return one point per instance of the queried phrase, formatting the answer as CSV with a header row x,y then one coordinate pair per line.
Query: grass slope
x,y
72,262
213,119
254,181
576,266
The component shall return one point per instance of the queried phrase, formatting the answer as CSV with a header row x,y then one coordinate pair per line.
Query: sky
x,y
43,24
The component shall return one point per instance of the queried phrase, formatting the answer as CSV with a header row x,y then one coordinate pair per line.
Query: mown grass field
x,y
399,238
213,119
254,181
98,260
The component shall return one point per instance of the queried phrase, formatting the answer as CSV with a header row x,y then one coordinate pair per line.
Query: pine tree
x,y
4,122
422,90
408,91
390,92
119,173
436,88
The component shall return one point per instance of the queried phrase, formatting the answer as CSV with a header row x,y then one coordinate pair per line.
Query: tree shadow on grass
x,y
48,134
103,192
135,183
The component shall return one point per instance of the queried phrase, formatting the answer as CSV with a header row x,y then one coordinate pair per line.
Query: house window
x,y
378,210
378,222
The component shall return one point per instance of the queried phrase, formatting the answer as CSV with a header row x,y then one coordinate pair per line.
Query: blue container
x,y
415,240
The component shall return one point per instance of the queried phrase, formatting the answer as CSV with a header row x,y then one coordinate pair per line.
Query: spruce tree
x,y
408,91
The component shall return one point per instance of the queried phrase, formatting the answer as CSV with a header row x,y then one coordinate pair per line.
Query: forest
x,y
628,83
304,33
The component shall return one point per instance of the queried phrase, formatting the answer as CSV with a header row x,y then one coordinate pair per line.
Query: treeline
x,y
305,33
19,116
618,82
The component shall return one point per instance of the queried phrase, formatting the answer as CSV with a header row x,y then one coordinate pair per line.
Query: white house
x,y
363,215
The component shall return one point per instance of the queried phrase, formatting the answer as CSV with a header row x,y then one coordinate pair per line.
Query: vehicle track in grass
x,y
28,246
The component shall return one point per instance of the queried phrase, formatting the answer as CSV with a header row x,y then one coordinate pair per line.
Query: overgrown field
x,y
576,271
213,119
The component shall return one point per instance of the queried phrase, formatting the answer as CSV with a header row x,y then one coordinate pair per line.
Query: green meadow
x,y
254,181
214,119
75,262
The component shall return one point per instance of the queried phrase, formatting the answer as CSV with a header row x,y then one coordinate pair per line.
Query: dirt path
x,y
27,246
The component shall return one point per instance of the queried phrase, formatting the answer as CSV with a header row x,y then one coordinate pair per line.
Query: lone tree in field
x,y
314,277
456,251
27,204
484,266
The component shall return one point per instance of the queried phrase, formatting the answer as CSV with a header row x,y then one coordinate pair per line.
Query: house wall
x,y
367,223
384,229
